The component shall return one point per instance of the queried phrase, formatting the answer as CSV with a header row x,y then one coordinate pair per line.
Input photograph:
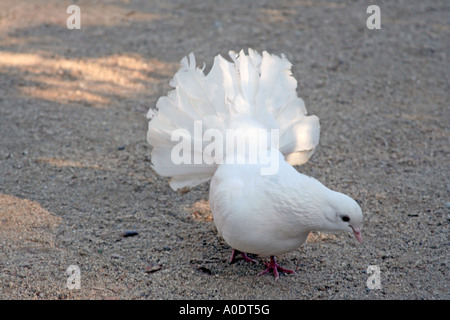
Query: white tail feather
x,y
252,90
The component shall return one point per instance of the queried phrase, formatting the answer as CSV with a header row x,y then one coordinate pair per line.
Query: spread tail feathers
x,y
254,90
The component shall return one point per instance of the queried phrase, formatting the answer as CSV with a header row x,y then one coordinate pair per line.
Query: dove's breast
x,y
246,217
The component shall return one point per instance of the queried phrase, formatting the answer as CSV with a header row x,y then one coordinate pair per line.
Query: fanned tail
x,y
252,91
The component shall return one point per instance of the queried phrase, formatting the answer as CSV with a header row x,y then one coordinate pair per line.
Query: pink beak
x,y
357,233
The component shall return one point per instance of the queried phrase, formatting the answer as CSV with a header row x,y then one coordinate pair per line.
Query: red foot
x,y
274,267
244,256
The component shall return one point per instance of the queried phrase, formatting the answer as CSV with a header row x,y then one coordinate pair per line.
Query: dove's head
x,y
344,215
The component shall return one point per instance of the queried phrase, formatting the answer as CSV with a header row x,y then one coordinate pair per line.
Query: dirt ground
x,y
75,175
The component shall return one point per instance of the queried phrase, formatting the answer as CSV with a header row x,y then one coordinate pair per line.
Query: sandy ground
x,y
75,166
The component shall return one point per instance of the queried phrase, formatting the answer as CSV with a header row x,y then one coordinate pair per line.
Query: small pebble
x,y
129,233
152,268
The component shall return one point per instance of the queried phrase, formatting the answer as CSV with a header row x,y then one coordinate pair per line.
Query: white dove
x,y
243,127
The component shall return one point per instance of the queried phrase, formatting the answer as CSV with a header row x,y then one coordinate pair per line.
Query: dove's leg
x,y
243,254
274,267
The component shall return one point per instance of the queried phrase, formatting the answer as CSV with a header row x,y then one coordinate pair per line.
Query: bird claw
x,y
274,267
244,256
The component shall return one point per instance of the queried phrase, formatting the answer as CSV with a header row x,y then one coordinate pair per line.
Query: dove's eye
x,y
346,218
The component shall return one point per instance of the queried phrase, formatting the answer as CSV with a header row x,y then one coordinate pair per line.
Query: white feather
x,y
256,89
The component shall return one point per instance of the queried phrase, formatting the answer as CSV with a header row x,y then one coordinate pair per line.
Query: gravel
x,y
76,184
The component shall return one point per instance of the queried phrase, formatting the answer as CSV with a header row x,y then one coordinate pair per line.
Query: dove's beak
x,y
357,233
